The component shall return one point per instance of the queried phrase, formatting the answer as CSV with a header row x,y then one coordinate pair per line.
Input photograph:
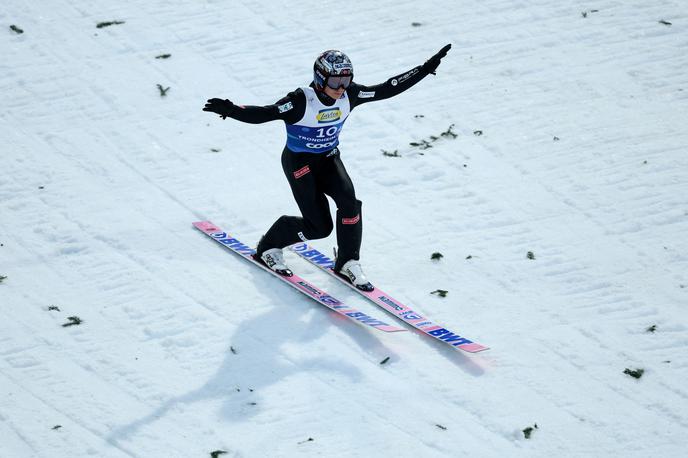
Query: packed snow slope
x,y
571,138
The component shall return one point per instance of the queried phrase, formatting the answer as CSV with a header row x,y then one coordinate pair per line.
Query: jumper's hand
x,y
222,107
430,66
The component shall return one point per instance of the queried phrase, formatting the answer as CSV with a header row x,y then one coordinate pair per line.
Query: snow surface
x,y
185,350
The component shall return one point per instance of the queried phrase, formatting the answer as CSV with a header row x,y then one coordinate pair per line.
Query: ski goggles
x,y
335,82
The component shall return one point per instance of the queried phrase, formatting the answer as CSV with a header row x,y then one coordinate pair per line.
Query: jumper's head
x,y
332,69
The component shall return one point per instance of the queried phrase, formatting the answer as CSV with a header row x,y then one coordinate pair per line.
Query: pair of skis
x,y
377,296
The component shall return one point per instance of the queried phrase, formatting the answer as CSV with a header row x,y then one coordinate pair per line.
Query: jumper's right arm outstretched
x,y
285,109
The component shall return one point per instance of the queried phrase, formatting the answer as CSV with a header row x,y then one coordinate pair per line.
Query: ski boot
x,y
352,271
274,260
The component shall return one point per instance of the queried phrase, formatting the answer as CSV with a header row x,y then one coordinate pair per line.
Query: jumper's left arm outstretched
x,y
359,94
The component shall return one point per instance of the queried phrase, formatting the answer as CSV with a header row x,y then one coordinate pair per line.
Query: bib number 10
x,y
322,133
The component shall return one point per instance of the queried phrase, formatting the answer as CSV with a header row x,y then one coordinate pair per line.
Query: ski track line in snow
x,y
22,359
62,413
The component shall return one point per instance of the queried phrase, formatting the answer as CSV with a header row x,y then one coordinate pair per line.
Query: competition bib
x,y
318,130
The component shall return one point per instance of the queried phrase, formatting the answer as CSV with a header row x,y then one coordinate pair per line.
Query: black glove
x,y
222,107
430,66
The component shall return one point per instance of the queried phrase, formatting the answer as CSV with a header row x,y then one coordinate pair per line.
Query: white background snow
x,y
582,161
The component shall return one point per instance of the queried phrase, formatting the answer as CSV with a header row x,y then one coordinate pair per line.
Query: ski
x,y
391,305
320,296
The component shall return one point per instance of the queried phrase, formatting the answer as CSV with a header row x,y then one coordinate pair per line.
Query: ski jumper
x,y
312,164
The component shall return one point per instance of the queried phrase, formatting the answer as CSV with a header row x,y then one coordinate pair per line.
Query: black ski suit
x,y
312,176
